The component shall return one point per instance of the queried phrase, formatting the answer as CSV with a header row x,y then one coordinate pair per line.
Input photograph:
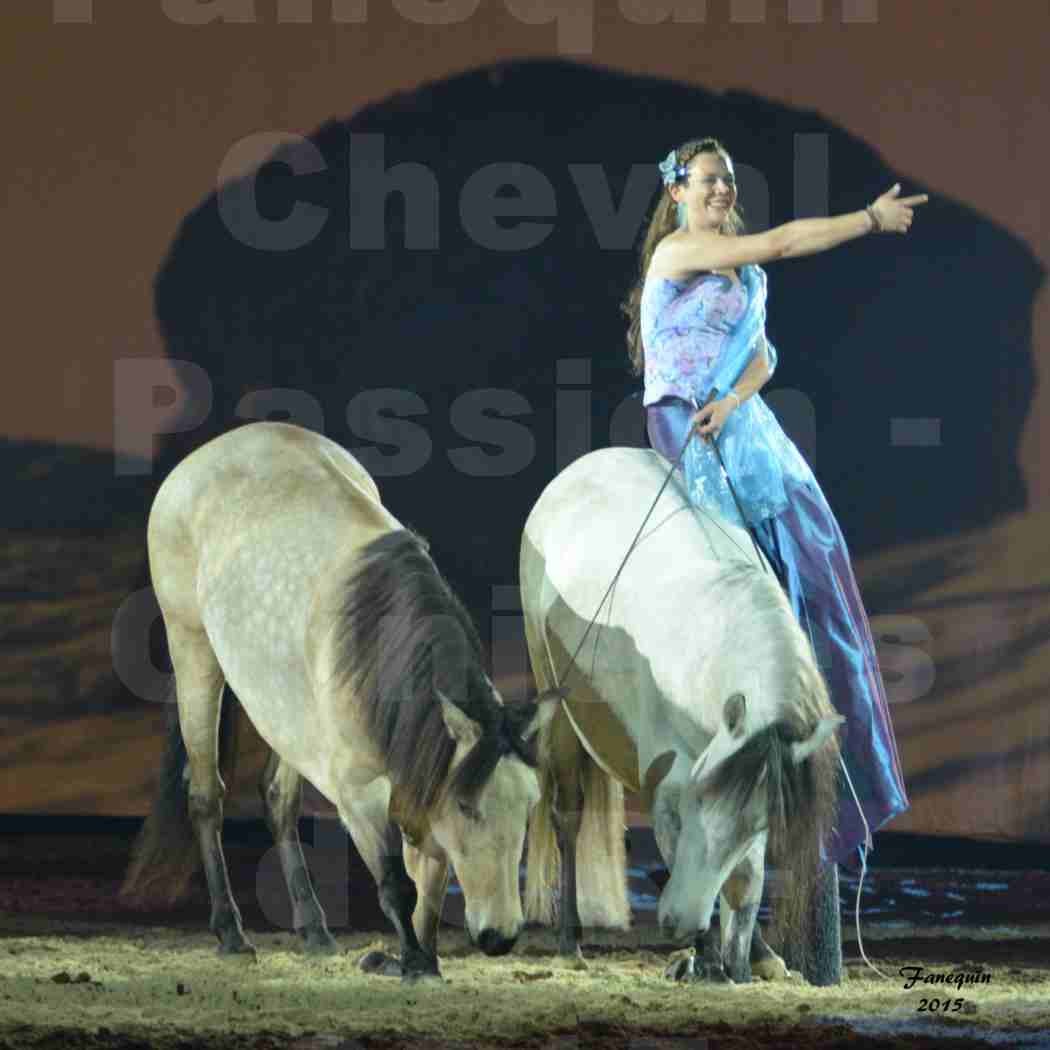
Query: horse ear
x,y
826,728
546,708
658,769
734,712
461,727
722,748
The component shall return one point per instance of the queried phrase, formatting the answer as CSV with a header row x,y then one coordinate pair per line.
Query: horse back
x,y
268,486
589,528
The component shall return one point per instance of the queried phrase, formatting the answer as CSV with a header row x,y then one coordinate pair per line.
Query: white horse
x,y
280,573
695,687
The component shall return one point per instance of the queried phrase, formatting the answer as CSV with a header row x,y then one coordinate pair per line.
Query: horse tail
x,y
601,866
542,856
601,863
165,854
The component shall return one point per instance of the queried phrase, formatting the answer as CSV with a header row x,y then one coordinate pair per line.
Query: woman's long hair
x,y
663,222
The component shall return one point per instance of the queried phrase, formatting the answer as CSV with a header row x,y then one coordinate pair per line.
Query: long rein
x,y
634,543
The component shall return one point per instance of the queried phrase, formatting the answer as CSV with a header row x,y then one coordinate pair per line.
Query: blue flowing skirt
x,y
806,548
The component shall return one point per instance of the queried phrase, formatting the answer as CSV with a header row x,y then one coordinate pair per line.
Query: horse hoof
x,y
711,974
772,969
242,949
687,969
380,964
419,966
319,942
572,958
422,976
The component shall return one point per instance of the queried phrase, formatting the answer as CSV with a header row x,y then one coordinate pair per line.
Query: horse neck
x,y
698,709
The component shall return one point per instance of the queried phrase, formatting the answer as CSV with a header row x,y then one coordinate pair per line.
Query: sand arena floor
x,y
76,970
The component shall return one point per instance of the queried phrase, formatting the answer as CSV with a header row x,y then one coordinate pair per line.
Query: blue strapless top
x,y
684,326
688,329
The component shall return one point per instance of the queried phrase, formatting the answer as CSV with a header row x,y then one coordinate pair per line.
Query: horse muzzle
x,y
681,933
492,942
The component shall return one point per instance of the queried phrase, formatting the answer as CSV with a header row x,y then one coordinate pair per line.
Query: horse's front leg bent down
x,y
736,951
765,962
817,957
744,951
365,813
431,877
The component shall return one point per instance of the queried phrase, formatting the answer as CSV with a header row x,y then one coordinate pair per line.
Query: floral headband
x,y
671,170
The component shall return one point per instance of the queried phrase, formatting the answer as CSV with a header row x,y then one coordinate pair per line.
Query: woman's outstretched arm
x,y
691,251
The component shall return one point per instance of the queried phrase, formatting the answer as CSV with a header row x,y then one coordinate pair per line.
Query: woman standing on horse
x,y
697,334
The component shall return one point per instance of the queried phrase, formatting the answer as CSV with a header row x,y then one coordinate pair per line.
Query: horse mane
x,y
801,796
403,638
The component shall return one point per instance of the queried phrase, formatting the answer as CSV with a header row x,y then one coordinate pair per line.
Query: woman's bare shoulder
x,y
671,257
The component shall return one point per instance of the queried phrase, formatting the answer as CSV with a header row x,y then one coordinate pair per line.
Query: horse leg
x,y
745,953
725,955
765,962
431,879
379,843
565,756
199,687
738,910
397,898
820,959
705,964
570,930
281,790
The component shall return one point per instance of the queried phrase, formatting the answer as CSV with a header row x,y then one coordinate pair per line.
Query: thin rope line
x,y
637,535
868,844
623,562
729,485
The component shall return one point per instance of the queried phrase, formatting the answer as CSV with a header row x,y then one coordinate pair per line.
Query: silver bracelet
x,y
733,393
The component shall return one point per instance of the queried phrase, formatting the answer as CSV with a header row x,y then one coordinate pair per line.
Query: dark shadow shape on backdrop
x,y
935,326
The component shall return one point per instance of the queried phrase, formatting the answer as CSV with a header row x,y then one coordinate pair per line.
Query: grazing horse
x,y
696,687
280,574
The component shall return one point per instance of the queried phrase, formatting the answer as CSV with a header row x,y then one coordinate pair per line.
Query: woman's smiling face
x,y
709,193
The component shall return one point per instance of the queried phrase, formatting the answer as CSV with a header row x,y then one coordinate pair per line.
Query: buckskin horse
x,y
279,573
